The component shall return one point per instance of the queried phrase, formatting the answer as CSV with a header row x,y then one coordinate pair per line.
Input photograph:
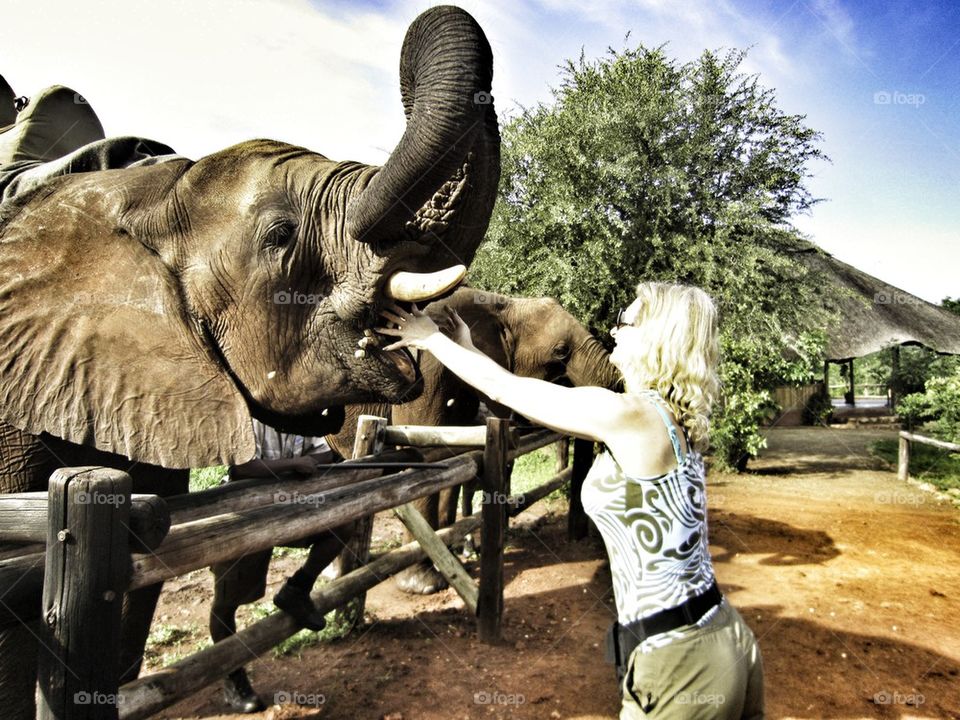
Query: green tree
x,y
951,304
646,169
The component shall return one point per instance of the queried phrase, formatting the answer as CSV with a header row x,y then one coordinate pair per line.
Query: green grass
x,y
167,644
530,471
206,478
928,464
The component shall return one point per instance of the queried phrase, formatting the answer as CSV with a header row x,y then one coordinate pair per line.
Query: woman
x,y
682,650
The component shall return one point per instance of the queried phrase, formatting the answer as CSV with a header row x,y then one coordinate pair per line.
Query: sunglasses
x,y
621,322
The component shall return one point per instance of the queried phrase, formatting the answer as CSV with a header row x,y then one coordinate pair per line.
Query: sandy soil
x,y
848,578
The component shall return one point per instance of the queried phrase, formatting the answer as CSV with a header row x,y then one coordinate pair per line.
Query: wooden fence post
x,y
496,490
87,571
903,464
577,524
356,554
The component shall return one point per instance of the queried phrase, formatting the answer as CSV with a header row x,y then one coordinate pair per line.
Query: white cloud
x,y
203,75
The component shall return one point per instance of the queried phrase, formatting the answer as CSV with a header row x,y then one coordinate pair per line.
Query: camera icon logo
x,y
882,97
482,97
282,297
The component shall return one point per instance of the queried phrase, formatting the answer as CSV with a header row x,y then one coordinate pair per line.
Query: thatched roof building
x,y
876,315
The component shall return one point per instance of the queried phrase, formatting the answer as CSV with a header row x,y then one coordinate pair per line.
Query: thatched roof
x,y
876,315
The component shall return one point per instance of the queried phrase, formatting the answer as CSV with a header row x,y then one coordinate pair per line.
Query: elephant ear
x,y
96,344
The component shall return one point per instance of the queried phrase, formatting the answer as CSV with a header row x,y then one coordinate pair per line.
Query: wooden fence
x,y
101,541
903,459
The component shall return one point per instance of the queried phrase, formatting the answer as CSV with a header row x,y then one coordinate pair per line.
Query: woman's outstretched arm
x,y
588,412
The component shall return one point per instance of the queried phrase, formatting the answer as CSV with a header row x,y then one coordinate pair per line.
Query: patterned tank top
x,y
655,532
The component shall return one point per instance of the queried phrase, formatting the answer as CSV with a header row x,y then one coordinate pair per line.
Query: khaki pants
x,y
713,673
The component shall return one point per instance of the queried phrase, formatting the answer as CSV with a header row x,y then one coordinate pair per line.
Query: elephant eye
x,y
561,351
279,234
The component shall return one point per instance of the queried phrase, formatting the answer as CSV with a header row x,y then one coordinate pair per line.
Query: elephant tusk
x,y
411,287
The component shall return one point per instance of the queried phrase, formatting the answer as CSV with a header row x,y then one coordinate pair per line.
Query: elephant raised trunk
x,y
449,155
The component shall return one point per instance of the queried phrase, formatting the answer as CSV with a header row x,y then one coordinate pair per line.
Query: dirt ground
x,y
848,577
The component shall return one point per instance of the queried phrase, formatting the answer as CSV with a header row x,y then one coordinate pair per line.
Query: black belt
x,y
623,639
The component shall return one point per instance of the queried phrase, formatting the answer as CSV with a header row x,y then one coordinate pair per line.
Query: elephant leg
x,y
18,671
294,596
138,607
422,578
237,583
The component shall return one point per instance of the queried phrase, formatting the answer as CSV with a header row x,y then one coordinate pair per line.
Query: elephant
x,y
148,312
534,337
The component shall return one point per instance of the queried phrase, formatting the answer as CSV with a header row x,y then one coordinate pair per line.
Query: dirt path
x,y
849,579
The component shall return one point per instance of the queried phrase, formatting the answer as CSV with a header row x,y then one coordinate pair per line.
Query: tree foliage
x,y
938,405
646,169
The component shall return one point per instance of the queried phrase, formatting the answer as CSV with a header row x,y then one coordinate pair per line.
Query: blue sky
x,y
879,79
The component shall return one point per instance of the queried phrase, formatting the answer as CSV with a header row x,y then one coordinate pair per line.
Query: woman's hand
x,y
456,329
414,329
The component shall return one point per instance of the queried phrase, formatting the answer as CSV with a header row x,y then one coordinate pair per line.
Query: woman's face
x,y
622,332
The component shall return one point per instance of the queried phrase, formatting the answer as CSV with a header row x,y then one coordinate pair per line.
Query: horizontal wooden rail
x,y
533,441
151,694
23,519
903,457
214,539
520,502
439,436
923,440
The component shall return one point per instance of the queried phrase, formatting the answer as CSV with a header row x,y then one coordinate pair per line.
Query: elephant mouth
x,y
403,360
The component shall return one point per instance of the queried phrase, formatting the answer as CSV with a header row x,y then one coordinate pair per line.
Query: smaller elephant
x,y
533,337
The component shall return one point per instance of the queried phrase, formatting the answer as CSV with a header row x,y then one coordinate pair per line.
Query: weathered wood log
x,y
924,440
445,561
151,694
368,441
518,503
577,521
440,436
494,483
87,565
23,518
241,495
203,542
903,457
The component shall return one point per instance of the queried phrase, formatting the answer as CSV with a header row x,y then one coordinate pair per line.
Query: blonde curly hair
x,y
672,346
